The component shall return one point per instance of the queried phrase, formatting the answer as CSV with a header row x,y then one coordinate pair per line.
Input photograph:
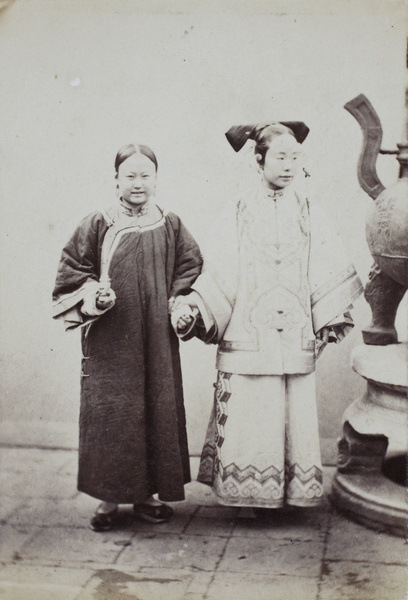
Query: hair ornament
x,y
238,135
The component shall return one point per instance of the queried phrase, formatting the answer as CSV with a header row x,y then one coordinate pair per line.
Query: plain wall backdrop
x,y
80,78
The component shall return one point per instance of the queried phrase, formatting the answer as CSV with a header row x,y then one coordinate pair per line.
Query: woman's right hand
x,y
184,321
183,316
105,299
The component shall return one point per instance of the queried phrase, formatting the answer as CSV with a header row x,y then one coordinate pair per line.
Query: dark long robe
x,y
132,438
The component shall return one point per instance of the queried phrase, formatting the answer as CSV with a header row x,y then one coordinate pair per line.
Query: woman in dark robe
x,y
117,278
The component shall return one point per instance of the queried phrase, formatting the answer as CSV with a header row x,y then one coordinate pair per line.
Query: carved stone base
x,y
382,410
372,500
370,483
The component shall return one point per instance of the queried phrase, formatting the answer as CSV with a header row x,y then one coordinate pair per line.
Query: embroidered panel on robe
x,y
262,444
273,275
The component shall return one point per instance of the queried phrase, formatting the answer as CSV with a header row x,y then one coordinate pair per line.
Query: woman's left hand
x,y
322,339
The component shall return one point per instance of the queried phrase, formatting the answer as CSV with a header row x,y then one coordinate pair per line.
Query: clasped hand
x,y
184,312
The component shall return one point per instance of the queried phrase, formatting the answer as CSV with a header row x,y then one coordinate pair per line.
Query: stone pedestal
x,y
370,482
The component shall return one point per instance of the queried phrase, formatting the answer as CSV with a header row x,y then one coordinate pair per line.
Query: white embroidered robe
x,y
274,274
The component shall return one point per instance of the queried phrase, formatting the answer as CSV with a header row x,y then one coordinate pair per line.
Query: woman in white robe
x,y
274,290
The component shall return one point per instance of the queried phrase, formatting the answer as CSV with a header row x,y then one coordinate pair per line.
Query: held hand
x,y
182,317
184,321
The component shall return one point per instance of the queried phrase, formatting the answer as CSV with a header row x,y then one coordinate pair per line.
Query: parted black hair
x,y
129,150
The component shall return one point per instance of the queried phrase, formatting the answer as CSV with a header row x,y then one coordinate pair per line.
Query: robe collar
x,y
133,211
274,194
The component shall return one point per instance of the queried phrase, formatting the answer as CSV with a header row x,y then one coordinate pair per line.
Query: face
x,y
136,179
280,164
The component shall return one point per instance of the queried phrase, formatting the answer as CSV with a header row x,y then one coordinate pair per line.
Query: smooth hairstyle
x,y
129,150
263,136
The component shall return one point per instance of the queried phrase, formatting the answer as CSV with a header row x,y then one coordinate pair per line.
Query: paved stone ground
x,y
207,552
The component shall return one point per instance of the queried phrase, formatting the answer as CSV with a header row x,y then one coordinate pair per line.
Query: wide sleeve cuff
x,y
69,307
335,297
215,307
65,302
73,318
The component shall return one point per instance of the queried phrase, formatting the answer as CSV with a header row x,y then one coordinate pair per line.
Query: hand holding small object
x,y
105,297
